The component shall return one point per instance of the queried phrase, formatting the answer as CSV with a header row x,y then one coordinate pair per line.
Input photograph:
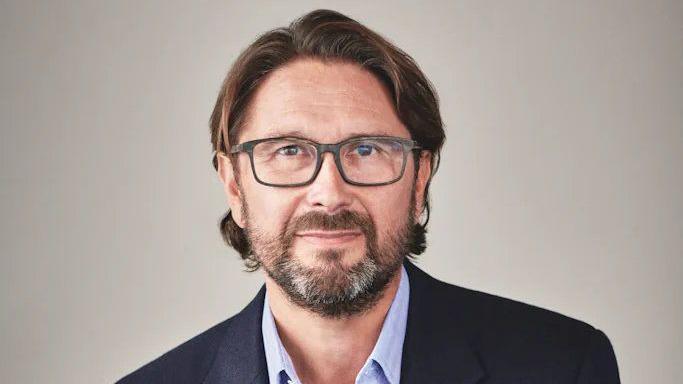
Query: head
x,y
332,246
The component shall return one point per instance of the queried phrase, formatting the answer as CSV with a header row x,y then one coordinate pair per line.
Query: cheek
x,y
269,209
389,207
263,207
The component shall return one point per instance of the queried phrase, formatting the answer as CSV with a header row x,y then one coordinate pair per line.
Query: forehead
x,y
322,101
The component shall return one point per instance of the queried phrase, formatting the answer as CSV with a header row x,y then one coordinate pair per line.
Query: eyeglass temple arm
x,y
237,148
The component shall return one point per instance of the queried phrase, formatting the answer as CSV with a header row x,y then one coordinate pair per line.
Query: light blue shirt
x,y
383,366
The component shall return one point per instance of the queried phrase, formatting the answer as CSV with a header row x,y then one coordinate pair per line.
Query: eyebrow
x,y
286,133
299,134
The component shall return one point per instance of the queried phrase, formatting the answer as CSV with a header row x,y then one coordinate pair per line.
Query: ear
x,y
424,172
226,174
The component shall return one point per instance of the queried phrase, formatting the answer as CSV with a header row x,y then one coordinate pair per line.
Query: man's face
x,y
331,246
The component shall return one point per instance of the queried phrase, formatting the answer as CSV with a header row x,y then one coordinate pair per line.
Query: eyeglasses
x,y
293,162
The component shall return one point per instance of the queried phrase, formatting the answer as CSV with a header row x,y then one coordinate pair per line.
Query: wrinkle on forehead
x,y
309,93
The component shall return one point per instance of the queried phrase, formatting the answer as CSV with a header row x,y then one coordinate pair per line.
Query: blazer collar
x,y
241,357
437,346
438,343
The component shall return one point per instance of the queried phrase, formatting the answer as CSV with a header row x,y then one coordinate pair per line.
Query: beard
x,y
332,289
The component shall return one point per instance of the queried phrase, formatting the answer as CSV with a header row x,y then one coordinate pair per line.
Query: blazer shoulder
x,y
235,343
504,310
485,309
498,315
189,362
522,334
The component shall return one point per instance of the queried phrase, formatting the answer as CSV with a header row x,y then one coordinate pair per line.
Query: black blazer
x,y
454,335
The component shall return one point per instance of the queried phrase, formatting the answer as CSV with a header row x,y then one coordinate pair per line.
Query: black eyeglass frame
x,y
248,147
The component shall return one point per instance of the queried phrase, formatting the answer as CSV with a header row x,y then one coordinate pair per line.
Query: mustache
x,y
343,220
316,220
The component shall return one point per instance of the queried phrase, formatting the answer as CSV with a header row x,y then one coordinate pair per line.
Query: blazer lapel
x,y
241,357
437,347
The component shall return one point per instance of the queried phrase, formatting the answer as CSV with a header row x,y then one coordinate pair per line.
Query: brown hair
x,y
328,35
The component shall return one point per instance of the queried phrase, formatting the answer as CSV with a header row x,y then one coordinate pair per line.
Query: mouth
x,y
327,238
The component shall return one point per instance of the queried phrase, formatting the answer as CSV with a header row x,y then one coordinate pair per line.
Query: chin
x,y
332,258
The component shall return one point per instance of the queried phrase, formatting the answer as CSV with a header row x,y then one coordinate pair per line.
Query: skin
x,y
327,103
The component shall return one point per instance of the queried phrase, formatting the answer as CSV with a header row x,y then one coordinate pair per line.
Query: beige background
x,y
561,181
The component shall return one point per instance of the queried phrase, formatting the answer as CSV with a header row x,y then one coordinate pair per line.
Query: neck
x,y
328,350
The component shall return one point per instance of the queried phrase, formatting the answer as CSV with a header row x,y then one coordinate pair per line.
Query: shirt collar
x,y
387,352
277,358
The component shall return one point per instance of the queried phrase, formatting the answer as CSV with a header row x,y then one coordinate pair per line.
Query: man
x,y
326,139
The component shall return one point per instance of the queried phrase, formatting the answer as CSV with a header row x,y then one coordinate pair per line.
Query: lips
x,y
319,237
328,234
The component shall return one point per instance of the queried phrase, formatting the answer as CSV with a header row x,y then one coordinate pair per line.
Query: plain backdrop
x,y
560,184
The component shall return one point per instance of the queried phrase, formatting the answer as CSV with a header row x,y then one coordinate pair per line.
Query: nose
x,y
329,191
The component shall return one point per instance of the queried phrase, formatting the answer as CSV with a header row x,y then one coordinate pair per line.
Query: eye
x,y
365,149
290,150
